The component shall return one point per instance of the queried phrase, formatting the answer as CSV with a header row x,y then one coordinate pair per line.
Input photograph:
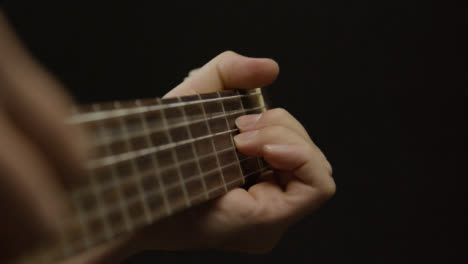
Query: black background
x,y
379,85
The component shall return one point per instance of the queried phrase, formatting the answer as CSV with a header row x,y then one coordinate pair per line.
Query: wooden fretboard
x,y
150,159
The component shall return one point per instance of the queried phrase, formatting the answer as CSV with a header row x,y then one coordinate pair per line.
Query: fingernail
x,y
247,120
245,137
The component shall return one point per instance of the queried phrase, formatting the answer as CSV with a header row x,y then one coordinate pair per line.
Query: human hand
x,y
252,220
32,132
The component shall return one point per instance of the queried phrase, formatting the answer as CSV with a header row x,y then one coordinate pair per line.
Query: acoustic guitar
x,y
150,159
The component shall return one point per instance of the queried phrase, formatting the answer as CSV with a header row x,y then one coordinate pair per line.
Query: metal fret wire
x,y
171,186
51,256
231,138
116,179
113,159
82,214
124,156
183,182
216,156
162,169
212,142
47,256
155,162
262,107
135,169
194,152
261,168
174,155
106,114
109,140
168,187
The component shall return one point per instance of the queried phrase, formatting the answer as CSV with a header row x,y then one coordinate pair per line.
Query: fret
x,y
209,109
159,134
234,171
222,140
151,182
214,190
118,222
112,113
231,121
166,170
188,152
217,125
192,109
208,174
252,104
231,104
174,195
231,172
238,182
239,155
211,104
134,188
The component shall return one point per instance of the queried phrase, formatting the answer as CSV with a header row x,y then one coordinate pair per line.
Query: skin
x,y
32,132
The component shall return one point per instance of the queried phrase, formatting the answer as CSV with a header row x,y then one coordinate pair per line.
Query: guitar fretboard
x,y
150,159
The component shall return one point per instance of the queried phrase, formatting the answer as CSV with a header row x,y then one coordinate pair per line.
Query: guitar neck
x,y
152,158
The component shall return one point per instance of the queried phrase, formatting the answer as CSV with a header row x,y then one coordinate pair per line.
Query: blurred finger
x,y
28,193
36,103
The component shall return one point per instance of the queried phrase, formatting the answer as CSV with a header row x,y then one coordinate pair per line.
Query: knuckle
x,y
246,212
262,216
269,216
329,167
227,54
328,190
272,131
278,113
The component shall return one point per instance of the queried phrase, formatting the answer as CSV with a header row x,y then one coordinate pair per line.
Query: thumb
x,y
228,70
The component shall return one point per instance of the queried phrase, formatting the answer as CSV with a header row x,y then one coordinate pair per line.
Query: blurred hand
x,y
37,150
252,220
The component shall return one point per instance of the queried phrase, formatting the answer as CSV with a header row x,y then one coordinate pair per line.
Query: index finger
x,y
228,70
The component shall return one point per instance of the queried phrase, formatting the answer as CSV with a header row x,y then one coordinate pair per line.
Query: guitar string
x,y
107,114
192,147
129,104
135,198
215,188
211,135
123,156
149,173
114,159
133,134
53,254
